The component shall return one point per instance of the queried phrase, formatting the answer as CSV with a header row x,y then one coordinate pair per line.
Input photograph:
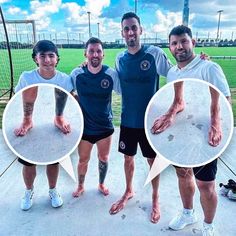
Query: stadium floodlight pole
x,y
89,24
185,13
218,27
135,6
98,30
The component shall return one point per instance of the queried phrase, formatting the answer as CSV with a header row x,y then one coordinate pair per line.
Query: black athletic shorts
x,y
25,163
206,172
129,140
95,138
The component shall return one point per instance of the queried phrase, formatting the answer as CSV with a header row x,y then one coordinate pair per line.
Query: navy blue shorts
x,y
95,138
25,163
129,140
206,172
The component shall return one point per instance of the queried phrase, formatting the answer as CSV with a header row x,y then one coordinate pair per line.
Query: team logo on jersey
x,y
145,65
122,145
105,83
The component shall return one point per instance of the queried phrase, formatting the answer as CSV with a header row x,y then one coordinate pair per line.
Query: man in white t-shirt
x,y
45,55
190,65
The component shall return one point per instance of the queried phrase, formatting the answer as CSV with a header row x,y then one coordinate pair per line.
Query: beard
x,y
131,43
185,55
95,62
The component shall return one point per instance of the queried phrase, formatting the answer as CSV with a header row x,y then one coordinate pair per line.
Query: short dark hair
x,y
181,29
129,15
93,40
44,46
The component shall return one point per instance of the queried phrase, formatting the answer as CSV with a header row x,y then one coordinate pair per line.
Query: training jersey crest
x,y
145,65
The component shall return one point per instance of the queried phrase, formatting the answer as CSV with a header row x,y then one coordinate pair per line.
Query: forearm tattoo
x,y
102,167
61,98
81,179
28,108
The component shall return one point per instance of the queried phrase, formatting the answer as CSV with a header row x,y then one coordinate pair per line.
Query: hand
x,y
83,64
204,56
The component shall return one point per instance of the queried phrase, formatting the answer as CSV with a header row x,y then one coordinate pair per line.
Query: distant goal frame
x,y
6,94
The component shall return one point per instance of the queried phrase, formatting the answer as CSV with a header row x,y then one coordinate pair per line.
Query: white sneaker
x,y
26,201
182,220
231,195
56,199
208,230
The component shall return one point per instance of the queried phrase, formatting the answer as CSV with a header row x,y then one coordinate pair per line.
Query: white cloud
x,y
95,6
75,14
41,12
16,10
109,30
2,1
166,21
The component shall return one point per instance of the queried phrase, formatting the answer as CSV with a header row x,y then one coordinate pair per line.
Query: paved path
x,y
88,215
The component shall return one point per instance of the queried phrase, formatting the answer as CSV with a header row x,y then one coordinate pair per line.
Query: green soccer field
x,y
71,58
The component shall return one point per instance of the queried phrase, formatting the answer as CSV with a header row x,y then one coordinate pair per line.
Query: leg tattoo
x,y
102,166
28,108
80,190
81,179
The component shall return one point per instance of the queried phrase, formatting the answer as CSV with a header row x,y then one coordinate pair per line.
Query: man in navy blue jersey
x,y
94,84
138,68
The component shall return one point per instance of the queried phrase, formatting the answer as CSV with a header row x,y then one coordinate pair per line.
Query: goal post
x,y
17,38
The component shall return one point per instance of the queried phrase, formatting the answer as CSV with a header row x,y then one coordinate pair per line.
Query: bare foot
x,y
163,122
155,214
119,205
78,192
61,124
26,125
102,189
215,135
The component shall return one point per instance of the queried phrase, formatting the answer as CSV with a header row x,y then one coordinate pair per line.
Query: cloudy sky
x,y
157,16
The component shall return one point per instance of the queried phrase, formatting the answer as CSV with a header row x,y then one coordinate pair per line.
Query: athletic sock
x,y
207,225
188,211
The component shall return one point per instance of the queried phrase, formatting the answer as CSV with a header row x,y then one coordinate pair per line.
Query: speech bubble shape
x,y
68,167
38,143
159,164
161,161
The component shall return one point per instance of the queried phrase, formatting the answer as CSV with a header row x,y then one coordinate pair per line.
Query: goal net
x,y
17,38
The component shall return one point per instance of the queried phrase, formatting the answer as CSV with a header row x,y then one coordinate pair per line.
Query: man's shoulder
x,y
153,49
172,72
28,74
77,71
121,55
173,68
208,64
107,68
109,71
62,75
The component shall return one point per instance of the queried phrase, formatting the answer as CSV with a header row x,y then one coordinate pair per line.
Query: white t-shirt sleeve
x,y
215,76
69,86
22,82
